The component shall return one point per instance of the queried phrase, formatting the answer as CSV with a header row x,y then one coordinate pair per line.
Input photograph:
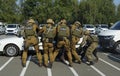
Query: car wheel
x,y
117,47
11,50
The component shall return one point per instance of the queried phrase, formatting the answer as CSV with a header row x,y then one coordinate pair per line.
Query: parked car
x,y
13,45
89,27
101,27
12,29
110,39
2,28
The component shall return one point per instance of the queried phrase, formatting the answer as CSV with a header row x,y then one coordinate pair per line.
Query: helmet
x,y
50,21
63,21
87,32
31,21
77,22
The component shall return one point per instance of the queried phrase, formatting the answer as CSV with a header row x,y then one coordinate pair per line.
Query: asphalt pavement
x,y
108,65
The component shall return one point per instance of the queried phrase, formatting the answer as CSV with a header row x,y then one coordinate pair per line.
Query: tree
x,y
97,11
8,11
118,13
107,9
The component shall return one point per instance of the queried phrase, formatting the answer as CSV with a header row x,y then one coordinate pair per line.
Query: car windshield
x,y
11,26
116,26
104,26
89,26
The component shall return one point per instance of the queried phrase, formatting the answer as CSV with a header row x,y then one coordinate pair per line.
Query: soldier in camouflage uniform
x,y
77,33
31,38
92,42
49,32
63,33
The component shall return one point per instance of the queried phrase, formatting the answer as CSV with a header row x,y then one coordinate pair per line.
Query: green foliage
x,y
86,11
118,12
9,11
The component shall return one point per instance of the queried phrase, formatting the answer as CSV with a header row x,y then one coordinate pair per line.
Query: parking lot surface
x,y
108,65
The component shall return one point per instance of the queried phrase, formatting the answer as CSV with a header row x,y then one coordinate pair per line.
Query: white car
x,y
12,29
110,39
89,27
101,27
13,45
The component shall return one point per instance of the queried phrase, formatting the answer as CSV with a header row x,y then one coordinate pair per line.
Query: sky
x,y
117,2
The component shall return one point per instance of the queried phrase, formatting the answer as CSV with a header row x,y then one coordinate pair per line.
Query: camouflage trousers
x,y
48,52
66,45
73,48
32,40
90,50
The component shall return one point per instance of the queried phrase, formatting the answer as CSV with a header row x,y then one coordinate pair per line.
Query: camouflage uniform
x,y
49,32
77,33
92,42
63,33
30,36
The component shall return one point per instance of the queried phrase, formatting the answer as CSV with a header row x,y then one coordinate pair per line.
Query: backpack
x,y
29,31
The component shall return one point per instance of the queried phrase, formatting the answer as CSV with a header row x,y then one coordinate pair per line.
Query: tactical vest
x,y
29,31
62,31
78,32
49,33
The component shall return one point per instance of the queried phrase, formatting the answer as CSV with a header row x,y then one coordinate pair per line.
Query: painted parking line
x,y
49,71
109,64
25,68
2,67
98,71
112,56
72,69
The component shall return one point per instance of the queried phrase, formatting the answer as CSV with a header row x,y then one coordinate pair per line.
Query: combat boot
x,y
23,64
78,61
96,60
50,65
40,65
46,65
70,64
62,58
90,63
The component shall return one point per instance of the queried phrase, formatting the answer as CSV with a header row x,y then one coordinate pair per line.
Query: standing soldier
x,y
63,33
49,32
92,42
31,38
77,33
